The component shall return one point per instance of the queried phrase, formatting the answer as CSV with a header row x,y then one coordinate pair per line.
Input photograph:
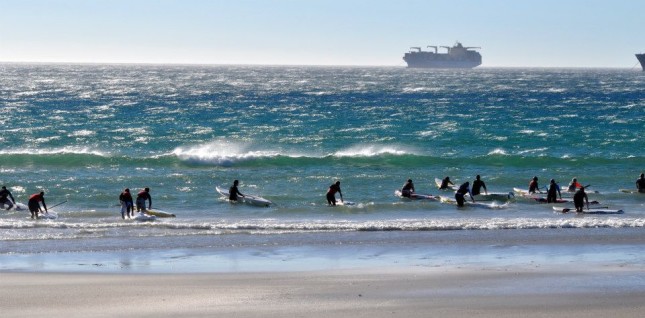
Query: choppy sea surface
x,y
83,133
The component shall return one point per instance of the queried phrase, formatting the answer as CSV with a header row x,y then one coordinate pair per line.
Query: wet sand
x,y
377,292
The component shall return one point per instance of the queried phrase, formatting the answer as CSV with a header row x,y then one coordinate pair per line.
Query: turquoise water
x,y
83,133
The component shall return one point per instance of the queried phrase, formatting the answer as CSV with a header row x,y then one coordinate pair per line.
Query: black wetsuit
x,y
579,199
640,184
407,190
477,185
461,192
552,194
233,192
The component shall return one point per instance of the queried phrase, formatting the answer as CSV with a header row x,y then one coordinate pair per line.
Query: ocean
x,y
83,133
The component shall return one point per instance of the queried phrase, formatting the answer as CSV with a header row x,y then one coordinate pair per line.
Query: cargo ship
x,y
641,59
457,56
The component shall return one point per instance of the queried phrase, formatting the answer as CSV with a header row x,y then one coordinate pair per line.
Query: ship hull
x,y
641,59
442,64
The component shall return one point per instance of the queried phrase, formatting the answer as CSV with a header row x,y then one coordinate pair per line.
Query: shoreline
x,y
294,252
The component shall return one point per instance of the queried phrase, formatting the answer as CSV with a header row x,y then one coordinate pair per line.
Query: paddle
x,y
55,205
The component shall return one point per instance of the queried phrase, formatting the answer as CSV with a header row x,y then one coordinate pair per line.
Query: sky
x,y
511,33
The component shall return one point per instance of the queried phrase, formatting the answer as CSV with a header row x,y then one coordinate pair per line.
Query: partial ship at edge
x,y
641,59
457,56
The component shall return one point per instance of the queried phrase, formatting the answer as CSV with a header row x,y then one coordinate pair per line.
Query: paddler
x,y
4,198
127,206
331,193
233,191
579,198
554,189
142,196
445,182
408,189
477,185
533,186
34,204
574,185
461,192
640,183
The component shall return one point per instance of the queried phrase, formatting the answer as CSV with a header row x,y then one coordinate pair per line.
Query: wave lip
x,y
55,151
371,151
226,153
220,153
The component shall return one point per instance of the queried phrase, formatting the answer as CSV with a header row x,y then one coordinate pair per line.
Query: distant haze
x,y
545,33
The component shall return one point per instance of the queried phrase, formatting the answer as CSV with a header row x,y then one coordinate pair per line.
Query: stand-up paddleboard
x,y
248,199
160,214
416,196
438,182
344,202
495,196
524,193
589,211
15,207
142,217
476,204
544,200
629,191
47,216
534,197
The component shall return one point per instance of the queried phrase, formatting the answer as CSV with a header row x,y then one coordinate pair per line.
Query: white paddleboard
x,y
160,213
15,207
142,217
344,202
588,211
248,199
416,196
629,191
469,203
47,216
495,196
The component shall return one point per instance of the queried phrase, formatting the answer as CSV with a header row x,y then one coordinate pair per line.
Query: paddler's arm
x,y
341,195
149,202
45,206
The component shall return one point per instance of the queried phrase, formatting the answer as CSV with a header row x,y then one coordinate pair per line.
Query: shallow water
x,y
85,132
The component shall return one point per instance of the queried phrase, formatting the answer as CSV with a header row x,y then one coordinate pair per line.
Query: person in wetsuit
x,y
477,185
34,204
579,198
640,183
461,192
4,198
331,193
554,189
127,205
408,189
445,182
233,191
574,185
142,196
533,186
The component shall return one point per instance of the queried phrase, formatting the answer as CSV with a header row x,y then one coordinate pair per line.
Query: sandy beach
x,y
393,292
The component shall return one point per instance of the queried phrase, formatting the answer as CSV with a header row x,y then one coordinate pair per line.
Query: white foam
x,y
371,151
220,152
54,151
